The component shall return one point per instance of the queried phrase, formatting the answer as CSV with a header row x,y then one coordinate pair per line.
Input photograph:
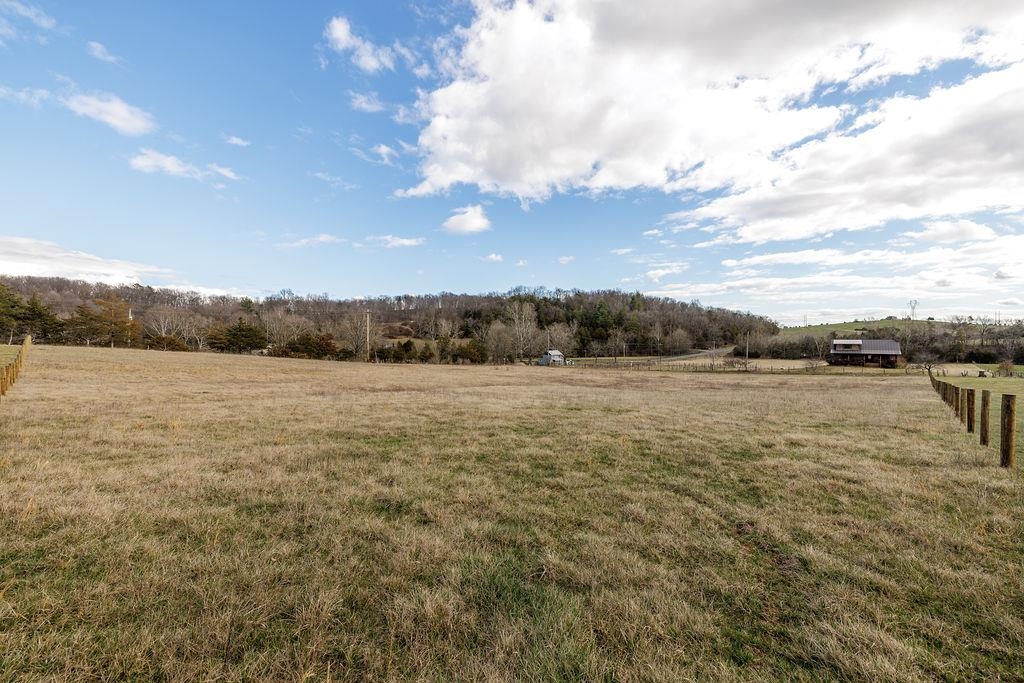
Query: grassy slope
x,y
191,516
850,329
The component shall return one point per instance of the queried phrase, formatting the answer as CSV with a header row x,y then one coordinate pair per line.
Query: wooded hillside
x,y
445,327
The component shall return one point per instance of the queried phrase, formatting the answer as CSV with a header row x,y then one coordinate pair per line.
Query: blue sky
x,y
826,162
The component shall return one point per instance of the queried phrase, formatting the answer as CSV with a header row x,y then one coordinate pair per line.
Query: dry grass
x,y
185,516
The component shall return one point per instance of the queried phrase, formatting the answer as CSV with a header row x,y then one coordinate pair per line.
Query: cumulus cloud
x,y
467,220
957,151
364,54
623,251
566,260
236,141
721,99
494,258
393,242
22,256
100,52
113,111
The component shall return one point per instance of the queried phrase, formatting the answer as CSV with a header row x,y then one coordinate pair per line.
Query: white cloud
x,y
22,256
494,258
15,15
236,141
653,233
467,220
113,111
152,161
365,102
951,231
393,242
957,151
566,260
660,270
223,171
334,181
721,98
314,241
364,54
100,52
623,251
521,263
379,154
32,97
33,14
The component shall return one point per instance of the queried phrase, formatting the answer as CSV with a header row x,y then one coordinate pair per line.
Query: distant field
x,y
198,517
849,329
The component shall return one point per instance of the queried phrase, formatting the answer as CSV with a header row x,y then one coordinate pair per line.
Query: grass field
x,y
8,352
195,516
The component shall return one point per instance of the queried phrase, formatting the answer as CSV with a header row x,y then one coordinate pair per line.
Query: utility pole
x,y
367,336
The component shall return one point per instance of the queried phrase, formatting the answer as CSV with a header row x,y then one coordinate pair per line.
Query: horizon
x,y
810,164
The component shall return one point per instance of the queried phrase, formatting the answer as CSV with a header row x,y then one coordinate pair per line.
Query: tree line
x,y
970,339
445,327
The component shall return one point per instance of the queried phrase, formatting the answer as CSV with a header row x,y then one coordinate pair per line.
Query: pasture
x,y
195,516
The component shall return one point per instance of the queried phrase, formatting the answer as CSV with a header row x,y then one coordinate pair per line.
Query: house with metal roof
x,y
884,353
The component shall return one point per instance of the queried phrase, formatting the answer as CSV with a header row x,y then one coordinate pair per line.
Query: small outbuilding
x,y
885,353
552,357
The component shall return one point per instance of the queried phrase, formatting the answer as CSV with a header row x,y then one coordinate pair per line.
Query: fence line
x,y
962,401
12,370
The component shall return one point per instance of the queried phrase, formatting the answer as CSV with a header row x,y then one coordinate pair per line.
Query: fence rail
x,y
963,400
12,369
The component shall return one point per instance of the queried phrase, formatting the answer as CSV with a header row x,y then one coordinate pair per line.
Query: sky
x,y
800,159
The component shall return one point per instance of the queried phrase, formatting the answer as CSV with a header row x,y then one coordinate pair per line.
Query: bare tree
x,y
562,336
500,342
523,322
351,331
282,327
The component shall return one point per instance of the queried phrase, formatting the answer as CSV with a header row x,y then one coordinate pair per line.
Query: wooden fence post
x,y
986,407
956,401
963,405
1007,430
970,411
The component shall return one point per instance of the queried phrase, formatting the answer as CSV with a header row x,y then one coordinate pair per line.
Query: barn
x,y
884,353
552,357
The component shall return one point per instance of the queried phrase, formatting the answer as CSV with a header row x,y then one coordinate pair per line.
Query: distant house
x,y
884,353
552,357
